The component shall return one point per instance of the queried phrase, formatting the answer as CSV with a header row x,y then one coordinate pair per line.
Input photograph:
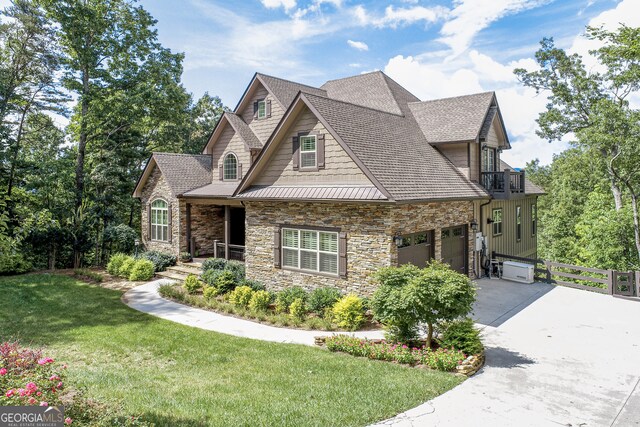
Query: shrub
x,y
285,297
408,296
210,276
126,266
322,298
260,301
209,292
225,282
142,270
349,312
462,335
14,264
160,260
185,256
237,268
253,284
192,284
214,264
116,260
442,359
298,309
241,296
120,238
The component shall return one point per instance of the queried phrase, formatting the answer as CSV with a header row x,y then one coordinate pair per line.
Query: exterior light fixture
x,y
474,225
397,239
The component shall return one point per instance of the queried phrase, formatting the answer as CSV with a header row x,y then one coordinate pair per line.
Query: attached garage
x,y
454,247
416,249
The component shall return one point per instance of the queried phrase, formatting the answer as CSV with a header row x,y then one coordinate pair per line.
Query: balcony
x,y
507,184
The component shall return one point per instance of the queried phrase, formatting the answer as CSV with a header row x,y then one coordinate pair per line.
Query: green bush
x,y
120,238
260,301
237,268
160,260
241,296
253,284
14,264
442,359
185,256
298,309
348,312
462,335
214,264
142,270
210,276
209,292
192,284
225,282
285,297
115,262
322,298
126,266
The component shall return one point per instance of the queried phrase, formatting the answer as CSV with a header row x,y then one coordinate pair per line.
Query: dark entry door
x,y
236,226
416,249
454,247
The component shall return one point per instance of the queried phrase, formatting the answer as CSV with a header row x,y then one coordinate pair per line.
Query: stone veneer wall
x,y
207,225
370,229
157,187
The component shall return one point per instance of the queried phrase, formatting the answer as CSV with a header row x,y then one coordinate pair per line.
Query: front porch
x,y
213,228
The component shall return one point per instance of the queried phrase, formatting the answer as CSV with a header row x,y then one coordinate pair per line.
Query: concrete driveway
x,y
555,356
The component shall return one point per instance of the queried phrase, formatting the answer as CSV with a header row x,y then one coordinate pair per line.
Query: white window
x,y
159,220
518,223
308,151
497,221
262,109
310,250
230,166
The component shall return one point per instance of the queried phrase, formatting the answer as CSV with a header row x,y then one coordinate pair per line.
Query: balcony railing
x,y
505,184
236,252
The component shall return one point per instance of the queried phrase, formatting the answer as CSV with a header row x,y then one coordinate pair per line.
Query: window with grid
x,y
518,223
497,221
262,109
159,220
310,250
230,167
308,151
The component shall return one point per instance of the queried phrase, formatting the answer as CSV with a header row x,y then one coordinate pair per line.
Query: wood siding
x,y
262,127
506,243
458,154
228,142
339,167
474,154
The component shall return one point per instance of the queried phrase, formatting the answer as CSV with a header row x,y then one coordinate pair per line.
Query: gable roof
x,y
285,91
374,90
454,119
243,130
182,172
390,149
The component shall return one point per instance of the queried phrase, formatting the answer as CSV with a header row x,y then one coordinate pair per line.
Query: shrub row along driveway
x,y
555,356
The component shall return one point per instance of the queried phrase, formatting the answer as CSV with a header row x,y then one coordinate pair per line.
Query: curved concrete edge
x,y
145,298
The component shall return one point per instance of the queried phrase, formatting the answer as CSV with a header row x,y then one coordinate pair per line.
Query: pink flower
x,y
10,393
31,400
68,421
54,378
44,404
3,371
39,393
31,387
45,361
59,384
22,392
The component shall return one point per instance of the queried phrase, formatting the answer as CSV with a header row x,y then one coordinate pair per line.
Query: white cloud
x,y
358,45
274,4
469,17
395,17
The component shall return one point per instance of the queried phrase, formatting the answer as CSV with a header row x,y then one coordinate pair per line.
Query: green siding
x,y
506,243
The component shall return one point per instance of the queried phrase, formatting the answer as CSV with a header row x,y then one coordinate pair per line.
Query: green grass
x,y
177,375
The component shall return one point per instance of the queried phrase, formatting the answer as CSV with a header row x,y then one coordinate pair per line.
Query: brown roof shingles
x,y
184,172
285,91
243,130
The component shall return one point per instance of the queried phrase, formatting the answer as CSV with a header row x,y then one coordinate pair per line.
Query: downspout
x,y
483,252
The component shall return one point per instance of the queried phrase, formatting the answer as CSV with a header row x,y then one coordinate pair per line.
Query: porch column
x,y
227,230
188,226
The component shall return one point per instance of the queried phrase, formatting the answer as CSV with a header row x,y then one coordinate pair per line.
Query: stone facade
x,y
369,227
156,187
207,225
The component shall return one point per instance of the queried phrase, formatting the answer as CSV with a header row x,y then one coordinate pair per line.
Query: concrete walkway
x,y
555,356
145,298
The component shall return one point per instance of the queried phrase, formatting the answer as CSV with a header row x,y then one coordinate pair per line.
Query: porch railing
x,y
504,184
236,252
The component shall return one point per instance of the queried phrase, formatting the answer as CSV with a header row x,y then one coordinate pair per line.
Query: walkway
x,y
555,356
145,298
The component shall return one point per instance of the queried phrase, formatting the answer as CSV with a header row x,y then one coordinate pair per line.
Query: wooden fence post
x,y
215,248
547,266
638,283
610,281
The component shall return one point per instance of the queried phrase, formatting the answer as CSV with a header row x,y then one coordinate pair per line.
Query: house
x,y
323,186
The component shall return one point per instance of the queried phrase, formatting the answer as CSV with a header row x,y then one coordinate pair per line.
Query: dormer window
x,y
230,167
262,109
308,151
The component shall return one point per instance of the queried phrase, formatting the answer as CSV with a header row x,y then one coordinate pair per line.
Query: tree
x,y
204,116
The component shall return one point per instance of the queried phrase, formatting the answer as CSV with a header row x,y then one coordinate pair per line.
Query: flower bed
x,y
442,359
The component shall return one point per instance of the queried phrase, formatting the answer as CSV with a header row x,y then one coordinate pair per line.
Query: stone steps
x,y
181,271
185,268
172,275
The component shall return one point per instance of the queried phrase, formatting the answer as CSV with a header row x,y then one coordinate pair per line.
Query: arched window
x,y
230,167
159,220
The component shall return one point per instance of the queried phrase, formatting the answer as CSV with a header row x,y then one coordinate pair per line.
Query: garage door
x,y
416,249
454,247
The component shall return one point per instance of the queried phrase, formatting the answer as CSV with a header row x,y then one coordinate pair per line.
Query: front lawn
x,y
177,375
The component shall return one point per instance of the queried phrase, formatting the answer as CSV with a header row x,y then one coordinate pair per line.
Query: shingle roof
x,y
285,91
452,119
374,90
184,172
243,130
214,189
326,192
529,187
484,131
395,152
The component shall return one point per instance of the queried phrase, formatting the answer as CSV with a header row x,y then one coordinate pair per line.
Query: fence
x,y
610,282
